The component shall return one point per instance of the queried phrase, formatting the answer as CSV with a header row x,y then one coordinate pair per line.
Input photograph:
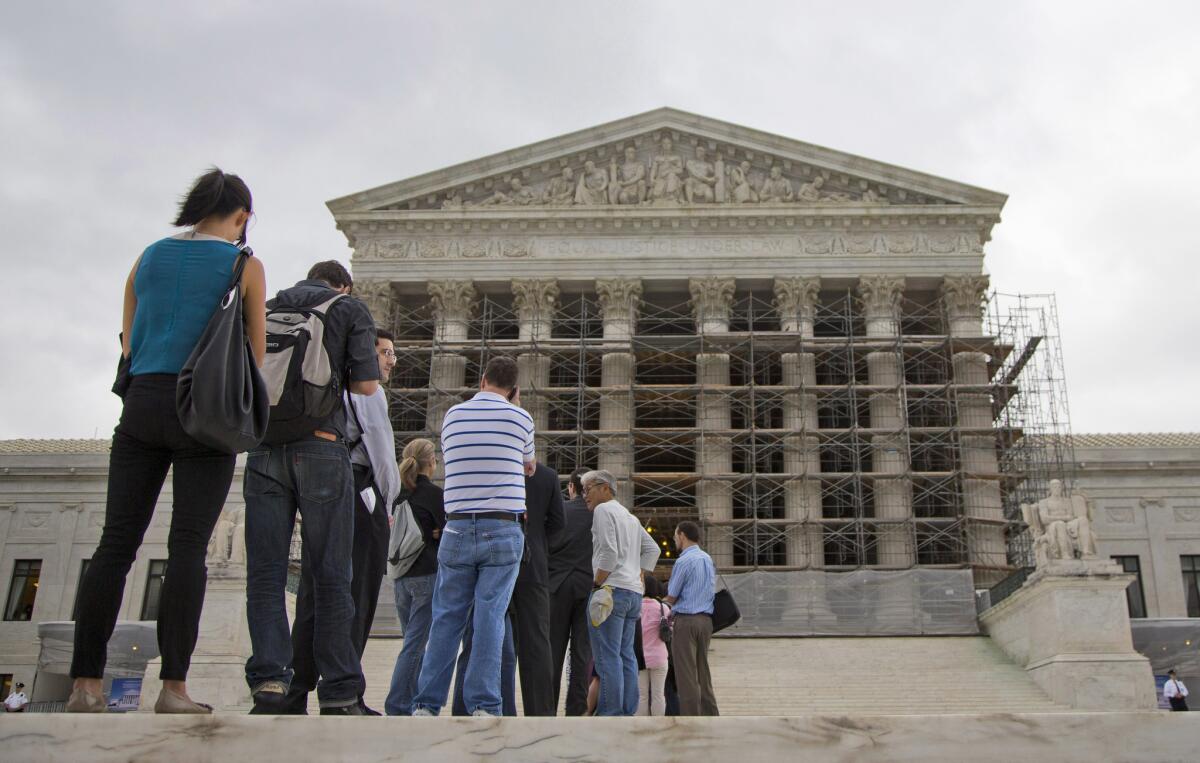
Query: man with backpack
x,y
376,487
320,342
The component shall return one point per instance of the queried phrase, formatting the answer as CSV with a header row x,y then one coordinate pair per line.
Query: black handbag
x,y
725,610
220,396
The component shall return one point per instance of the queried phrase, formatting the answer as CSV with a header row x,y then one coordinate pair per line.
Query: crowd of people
x,y
506,578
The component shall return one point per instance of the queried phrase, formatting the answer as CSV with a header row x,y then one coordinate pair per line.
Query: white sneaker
x,y
481,713
422,712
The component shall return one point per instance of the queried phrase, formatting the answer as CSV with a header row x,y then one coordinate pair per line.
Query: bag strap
x,y
239,267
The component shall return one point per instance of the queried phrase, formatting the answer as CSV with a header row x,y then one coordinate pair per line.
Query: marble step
x,y
980,738
841,676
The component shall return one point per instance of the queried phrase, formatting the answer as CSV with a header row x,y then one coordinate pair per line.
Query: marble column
x,y
796,303
712,304
453,302
962,297
620,299
380,300
535,301
896,540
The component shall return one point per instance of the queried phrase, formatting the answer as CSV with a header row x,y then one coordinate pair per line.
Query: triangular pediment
x,y
629,163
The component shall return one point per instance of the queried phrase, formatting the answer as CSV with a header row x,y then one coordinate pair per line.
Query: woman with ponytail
x,y
170,295
414,590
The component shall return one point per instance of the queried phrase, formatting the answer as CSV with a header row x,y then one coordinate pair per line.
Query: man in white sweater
x,y
621,549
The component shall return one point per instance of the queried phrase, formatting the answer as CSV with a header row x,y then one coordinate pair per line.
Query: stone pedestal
x,y
1068,627
217,675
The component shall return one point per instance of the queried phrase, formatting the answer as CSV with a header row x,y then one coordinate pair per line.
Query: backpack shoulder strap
x,y
323,308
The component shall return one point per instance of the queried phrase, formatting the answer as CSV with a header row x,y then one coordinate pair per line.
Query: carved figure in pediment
x,y
522,195
811,192
560,191
628,180
837,197
870,197
776,188
1061,526
453,201
700,186
740,190
593,185
666,173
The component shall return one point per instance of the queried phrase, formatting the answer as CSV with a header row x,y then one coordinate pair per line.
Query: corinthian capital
x,y
451,298
712,301
376,294
534,296
881,294
963,295
796,301
619,297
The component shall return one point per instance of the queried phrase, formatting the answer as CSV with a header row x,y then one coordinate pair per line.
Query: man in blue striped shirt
x,y
487,446
690,594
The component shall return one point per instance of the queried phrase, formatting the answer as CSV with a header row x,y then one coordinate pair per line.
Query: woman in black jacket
x,y
414,589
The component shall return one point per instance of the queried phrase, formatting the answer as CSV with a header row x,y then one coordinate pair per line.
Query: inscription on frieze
x,y
830,244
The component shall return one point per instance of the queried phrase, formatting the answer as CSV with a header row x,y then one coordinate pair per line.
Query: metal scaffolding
x,y
837,451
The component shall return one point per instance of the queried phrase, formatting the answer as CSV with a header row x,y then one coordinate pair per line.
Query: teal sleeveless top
x,y
178,283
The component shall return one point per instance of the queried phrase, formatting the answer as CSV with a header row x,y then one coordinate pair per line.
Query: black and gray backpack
x,y
301,386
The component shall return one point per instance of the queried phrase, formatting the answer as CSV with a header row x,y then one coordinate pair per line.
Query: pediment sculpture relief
x,y
664,175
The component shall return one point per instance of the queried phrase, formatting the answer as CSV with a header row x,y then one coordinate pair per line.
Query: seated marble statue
x,y
522,195
811,192
628,180
1061,526
560,191
776,188
701,180
593,185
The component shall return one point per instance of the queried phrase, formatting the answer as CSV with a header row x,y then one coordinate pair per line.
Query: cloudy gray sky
x,y
1086,114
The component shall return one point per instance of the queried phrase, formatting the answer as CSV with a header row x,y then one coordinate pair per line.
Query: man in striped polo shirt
x,y
487,446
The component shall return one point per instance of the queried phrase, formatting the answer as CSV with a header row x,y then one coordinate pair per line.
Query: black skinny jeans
x,y
148,440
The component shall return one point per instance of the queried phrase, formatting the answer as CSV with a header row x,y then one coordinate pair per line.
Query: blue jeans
x,y
612,649
478,560
311,476
414,606
508,672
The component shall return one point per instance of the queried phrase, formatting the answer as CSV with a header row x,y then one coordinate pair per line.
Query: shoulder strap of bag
x,y
239,267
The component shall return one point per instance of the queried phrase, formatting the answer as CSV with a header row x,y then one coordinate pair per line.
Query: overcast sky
x,y
1087,114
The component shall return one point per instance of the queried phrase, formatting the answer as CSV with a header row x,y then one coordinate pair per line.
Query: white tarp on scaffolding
x,y
916,602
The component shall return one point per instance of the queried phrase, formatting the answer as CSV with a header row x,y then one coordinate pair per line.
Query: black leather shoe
x,y
343,710
270,699
366,710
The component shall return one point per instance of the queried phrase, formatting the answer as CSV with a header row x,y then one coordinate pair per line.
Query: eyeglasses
x,y
388,354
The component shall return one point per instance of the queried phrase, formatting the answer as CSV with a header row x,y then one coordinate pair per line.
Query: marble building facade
x,y
782,341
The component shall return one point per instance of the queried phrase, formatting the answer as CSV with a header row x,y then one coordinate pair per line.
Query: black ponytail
x,y
214,193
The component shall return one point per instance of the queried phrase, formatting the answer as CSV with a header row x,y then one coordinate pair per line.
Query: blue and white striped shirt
x,y
486,443
693,582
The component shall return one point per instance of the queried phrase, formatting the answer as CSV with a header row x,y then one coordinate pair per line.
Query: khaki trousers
x,y
689,650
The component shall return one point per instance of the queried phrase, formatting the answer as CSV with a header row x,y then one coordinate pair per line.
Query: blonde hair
x,y
417,455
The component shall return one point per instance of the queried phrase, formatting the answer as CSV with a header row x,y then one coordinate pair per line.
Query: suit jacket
x,y
543,521
571,553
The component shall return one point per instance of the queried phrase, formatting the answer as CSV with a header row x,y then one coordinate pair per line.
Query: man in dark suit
x,y
529,608
570,585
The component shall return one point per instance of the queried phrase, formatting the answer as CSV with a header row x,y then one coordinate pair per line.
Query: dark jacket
x,y
571,552
430,513
349,337
543,521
